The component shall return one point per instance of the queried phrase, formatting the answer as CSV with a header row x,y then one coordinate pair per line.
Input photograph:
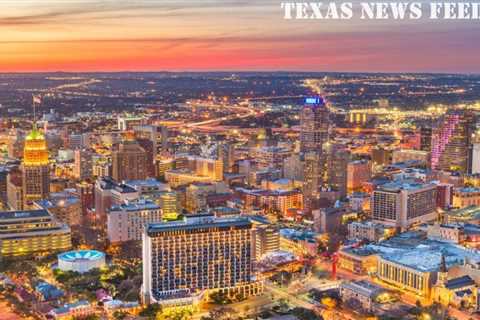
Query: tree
x,y
119,315
151,311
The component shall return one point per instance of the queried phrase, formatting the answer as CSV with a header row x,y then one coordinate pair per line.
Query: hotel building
x,y
185,258
31,232
404,203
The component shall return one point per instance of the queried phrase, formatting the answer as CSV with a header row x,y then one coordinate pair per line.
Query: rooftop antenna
x,y
35,100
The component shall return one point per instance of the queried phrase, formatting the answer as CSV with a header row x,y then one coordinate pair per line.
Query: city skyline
x,y
221,35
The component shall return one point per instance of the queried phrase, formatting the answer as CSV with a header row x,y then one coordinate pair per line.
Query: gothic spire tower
x,y
35,165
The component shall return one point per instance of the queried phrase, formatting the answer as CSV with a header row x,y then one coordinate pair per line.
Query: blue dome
x,y
81,255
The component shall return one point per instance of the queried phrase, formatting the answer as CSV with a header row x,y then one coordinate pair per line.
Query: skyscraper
x,y
314,121
35,168
315,125
185,258
404,203
129,160
451,141
337,167
83,168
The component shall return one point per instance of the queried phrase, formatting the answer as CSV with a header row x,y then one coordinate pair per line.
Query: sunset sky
x,y
201,35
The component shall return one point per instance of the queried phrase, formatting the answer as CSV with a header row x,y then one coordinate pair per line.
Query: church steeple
x,y
443,264
442,271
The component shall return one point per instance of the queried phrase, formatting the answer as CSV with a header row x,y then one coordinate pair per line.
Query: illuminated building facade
x,y
267,239
358,172
358,260
465,197
35,168
127,221
451,142
169,203
411,279
315,125
129,161
403,204
83,167
337,168
31,232
183,258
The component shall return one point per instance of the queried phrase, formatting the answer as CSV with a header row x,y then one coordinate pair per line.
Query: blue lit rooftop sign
x,y
314,100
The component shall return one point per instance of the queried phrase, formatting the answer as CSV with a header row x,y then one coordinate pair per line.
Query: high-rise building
x,y
226,153
15,190
35,168
85,191
200,253
129,161
149,147
337,168
451,141
404,203
314,134
83,167
312,180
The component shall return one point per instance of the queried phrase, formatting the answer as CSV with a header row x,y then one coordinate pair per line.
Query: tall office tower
x,y
150,153
85,192
426,139
451,141
315,125
129,160
183,259
404,203
314,134
226,153
83,166
337,168
35,168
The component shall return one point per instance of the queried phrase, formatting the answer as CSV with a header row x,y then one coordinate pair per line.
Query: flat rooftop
x,y
414,251
23,214
198,222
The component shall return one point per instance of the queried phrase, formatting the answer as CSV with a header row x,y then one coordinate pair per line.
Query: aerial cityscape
x,y
248,195
214,160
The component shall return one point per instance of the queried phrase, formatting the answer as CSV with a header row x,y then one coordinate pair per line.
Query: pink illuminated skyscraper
x,y
451,142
